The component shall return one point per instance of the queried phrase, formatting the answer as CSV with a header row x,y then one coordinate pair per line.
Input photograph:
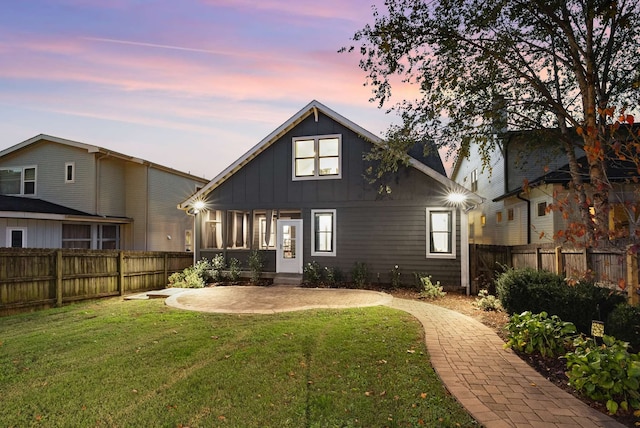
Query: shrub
x,y
312,274
521,290
360,274
396,281
234,270
606,373
333,276
256,264
623,323
218,264
538,333
487,302
189,278
429,289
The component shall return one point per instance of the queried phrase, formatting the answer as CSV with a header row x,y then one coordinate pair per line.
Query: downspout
x,y
528,216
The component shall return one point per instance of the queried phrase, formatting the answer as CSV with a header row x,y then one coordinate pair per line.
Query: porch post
x,y
464,250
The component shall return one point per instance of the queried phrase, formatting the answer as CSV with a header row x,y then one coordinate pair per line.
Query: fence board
x,y
32,278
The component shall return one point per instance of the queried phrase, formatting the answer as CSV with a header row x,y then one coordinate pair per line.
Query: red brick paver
x,y
495,386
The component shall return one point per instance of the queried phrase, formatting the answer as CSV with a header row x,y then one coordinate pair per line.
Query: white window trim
x,y
24,235
22,179
452,254
73,172
333,234
316,175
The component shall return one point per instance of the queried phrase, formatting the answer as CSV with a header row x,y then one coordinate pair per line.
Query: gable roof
x,y
17,206
314,108
96,149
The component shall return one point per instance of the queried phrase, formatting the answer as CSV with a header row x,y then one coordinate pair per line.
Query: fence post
x,y
59,273
538,258
166,270
632,277
121,272
559,261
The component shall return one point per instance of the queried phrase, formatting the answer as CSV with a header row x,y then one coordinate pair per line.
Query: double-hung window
x,y
323,236
317,157
18,181
441,235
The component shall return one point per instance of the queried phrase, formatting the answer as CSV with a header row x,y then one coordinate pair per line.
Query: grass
x,y
139,363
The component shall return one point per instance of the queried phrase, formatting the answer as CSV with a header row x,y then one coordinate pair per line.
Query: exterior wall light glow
x,y
456,198
198,206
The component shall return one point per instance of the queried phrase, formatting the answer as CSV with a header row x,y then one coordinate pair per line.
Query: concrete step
x,y
292,279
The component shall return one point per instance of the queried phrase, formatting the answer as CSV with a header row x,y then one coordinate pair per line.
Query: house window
x,y
212,233
264,231
76,236
237,229
499,217
441,237
483,220
323,236
474,180
510,214
108,237
17,237
542,209
69,172
317,157
18,181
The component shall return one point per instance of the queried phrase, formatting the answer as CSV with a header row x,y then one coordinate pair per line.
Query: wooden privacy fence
x,y
40,278
614,268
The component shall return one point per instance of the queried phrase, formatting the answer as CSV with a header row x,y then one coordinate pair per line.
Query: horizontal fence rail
x,y
41,278
610,267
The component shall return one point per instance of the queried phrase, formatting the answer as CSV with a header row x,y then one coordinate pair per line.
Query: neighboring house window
x,y
542,209
499,217
483,220
323,236
18,181
237,229
76,236
441,237
317,157
108,237
69,172
510,214
213,229
474,180
17,237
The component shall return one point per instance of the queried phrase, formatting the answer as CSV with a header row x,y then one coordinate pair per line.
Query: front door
x,y
289,254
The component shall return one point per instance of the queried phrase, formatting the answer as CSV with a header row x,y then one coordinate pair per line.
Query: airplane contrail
x,y
154,45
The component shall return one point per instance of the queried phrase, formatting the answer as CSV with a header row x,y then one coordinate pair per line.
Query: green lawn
x,y
142,364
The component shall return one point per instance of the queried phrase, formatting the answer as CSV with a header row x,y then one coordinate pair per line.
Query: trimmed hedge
x,y
623,323
536,291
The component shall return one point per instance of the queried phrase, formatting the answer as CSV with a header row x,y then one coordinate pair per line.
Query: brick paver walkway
x,y
494,384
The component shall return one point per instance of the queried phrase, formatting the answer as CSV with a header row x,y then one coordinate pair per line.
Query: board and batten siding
x,y
381,230
40,233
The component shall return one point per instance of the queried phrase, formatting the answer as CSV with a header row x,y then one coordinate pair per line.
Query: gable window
x,y
17,237
18,181
317,157
69,172
323,236
441,236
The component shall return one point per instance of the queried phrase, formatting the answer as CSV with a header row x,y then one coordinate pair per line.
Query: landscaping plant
x,y
312,274
256,264
487,302
607,373
360,274
234,270
429,289
531,333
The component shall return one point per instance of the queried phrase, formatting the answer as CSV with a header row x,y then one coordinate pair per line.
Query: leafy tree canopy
x,y
487,66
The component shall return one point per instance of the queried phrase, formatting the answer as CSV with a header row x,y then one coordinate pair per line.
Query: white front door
x,y
289,253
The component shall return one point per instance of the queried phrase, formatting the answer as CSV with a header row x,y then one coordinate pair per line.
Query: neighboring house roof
x,y
314,107
96,149
16,206
616,170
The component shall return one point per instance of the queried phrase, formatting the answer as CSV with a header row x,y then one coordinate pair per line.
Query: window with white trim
x,y
108,237
441,233
18,181
262,232
70,172
318,157
237,229
474,180
76,236
323,233
16,237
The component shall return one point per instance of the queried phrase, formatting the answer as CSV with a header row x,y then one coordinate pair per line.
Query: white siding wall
x,y
40,233
111,186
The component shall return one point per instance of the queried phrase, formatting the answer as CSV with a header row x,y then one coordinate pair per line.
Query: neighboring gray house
x,y
300,195
57,193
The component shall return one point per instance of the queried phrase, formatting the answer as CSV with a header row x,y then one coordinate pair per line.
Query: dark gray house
x,y
300,195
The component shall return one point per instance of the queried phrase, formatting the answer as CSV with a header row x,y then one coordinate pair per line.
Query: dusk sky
x,y
189,84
